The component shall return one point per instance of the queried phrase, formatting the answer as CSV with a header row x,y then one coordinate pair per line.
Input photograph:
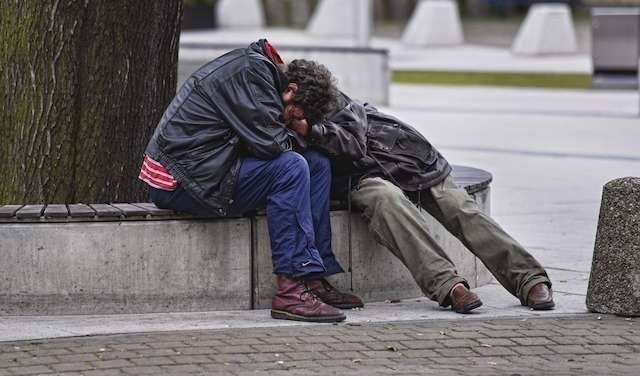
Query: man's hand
x,y
301,127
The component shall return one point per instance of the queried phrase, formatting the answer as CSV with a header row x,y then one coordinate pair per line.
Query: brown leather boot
x,y
463,300
332,296
295,301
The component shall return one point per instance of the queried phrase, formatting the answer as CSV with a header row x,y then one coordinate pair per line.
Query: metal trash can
x,y
615,46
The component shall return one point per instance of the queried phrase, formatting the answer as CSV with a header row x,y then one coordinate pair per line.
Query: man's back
x,y
228,107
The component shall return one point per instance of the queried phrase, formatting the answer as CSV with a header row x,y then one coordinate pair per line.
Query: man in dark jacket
x,y
223,148
394,167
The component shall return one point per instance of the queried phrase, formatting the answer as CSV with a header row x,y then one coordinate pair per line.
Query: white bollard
x,y
364,13
547,29
434,23
239,13
334,18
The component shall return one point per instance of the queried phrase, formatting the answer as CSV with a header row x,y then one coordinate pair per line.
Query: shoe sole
x,y
543,306
282,315
346,306
469,307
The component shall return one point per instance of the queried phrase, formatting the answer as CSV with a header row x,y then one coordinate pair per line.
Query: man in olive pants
x,y
393,169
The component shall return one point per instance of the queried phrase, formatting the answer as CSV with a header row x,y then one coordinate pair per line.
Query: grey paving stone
x,y
29,370
533,341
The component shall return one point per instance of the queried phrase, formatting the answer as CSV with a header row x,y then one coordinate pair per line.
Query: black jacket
x,y
229,108
365,142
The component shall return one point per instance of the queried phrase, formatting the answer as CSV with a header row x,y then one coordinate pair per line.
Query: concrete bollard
x,y
434,23
239,13
334,18
547,29
614,284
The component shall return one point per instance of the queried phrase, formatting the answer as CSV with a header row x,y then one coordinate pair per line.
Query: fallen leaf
x,y
485,345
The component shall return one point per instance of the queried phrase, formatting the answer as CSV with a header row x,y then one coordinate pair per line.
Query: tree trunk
x,y
82,86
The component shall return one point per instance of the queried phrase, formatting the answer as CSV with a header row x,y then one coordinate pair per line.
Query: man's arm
x,y
344,133
251,103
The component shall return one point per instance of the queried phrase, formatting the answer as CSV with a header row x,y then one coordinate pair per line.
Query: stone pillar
x,y
434,23
614,284
334,18
239,13
547,29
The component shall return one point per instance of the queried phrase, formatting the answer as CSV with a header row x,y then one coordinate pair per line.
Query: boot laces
x,y
307,292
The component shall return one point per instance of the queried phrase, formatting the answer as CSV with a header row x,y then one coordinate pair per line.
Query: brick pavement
x,y
576,345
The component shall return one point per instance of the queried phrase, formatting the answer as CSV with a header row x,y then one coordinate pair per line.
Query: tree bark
x,y
82,86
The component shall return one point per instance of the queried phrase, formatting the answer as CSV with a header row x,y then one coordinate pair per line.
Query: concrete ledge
x,y
361,72
136,258
125,267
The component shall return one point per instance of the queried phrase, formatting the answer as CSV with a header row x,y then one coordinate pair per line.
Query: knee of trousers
x,y
294,166
380,196
317,161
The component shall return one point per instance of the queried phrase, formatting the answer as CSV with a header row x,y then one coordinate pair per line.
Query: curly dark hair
x,y
317,92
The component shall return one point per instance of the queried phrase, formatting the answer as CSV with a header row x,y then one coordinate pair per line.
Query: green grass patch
x,y
543,80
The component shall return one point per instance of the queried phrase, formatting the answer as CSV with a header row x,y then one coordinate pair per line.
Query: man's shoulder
x,y
232,63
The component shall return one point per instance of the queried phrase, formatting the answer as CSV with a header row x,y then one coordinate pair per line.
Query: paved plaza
x,y
580,345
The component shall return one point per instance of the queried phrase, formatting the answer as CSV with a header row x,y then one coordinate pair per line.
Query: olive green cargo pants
x,y
400,226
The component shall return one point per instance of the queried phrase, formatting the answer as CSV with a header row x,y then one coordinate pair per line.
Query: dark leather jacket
x,y
365,142
229,108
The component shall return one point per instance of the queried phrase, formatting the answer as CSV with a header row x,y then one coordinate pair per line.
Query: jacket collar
x,y
264,48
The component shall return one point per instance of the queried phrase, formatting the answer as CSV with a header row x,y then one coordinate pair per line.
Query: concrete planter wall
x,y
146,259
125,267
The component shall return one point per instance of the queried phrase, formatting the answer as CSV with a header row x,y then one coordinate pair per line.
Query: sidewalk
x,y
580,345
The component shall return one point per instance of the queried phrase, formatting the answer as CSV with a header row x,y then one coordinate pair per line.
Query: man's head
x,y
311,93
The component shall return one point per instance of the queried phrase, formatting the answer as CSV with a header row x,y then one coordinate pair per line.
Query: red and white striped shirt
x,y
154,174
